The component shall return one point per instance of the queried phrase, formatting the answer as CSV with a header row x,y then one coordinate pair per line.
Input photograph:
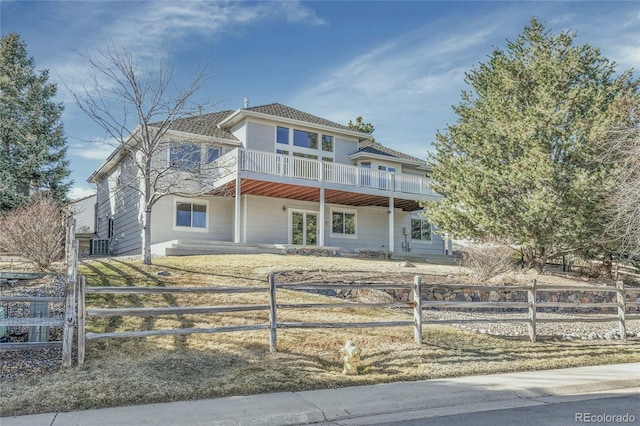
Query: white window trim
x,y
204,151
291,148
192,201
420,241
341,210
305,212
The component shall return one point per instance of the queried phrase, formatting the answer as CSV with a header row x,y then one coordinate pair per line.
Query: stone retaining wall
x,y
470,295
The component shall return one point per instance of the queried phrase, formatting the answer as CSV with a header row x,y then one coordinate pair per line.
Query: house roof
x,y
279,110
373,148
205,125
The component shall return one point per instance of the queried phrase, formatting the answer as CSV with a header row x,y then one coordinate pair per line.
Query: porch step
x,y
201,247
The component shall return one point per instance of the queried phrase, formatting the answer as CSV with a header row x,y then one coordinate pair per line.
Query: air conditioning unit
x,y
99,247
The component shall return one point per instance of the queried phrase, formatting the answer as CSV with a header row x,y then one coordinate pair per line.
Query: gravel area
x,y
33,361
560,330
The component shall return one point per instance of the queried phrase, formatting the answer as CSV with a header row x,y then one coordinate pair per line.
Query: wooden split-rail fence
x,y
416,304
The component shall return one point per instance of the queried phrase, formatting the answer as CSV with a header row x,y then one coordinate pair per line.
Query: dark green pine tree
x,y
521,164
32,142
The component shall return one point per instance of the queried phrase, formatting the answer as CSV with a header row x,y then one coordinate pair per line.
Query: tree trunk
x,y
146,237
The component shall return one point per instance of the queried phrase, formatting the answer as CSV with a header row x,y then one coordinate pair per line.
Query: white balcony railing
x,y
315,170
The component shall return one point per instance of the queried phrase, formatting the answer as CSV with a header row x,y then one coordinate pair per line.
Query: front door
x,y
304,228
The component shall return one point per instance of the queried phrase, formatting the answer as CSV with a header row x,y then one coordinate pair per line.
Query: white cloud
x,y
77,192
94,150
154,24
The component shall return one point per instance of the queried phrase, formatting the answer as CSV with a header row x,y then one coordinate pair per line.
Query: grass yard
x,y
160,369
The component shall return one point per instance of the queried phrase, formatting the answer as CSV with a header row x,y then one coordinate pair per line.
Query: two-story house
x,y
284,178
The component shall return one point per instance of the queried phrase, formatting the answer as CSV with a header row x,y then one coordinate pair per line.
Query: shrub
x,y
34,231
488,260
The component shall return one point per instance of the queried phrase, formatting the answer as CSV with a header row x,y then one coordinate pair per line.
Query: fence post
x,y
620,294
81,319
531,298
417,309
273,324
70,303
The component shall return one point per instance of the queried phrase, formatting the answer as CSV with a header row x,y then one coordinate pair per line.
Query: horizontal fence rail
x,y
170,310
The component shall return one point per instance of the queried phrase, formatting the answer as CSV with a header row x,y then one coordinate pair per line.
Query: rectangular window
x,y
327,143
305,139
282,135
191,215
303,155
420,230
387,169
185,156
343,223
282,152
213,154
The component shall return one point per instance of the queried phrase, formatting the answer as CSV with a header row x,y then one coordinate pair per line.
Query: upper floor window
x,y
327,143
185,156
305,139
282,135
420,230
304,142
387,169
190,157
213,154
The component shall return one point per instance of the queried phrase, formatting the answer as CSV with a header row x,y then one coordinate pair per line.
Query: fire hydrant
x,y
350,355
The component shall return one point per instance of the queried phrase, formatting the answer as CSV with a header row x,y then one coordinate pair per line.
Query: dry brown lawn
x,y
196,366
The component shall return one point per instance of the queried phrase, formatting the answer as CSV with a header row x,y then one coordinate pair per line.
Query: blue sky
x,y
398,64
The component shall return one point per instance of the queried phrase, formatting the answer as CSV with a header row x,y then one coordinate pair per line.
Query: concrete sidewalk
x,y
362,404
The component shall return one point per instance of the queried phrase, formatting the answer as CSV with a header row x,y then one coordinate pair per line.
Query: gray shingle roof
x,y
376,148
205,124
284,111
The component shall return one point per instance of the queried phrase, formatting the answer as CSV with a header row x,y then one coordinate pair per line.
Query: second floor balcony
x,y
311,172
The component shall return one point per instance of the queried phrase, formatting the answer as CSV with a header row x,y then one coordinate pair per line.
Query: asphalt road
x,y
601,411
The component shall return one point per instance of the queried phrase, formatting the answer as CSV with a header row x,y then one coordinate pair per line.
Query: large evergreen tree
x,y
520,164
32,142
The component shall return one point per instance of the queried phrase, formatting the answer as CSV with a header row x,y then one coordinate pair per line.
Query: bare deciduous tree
x,y
34,231
136,107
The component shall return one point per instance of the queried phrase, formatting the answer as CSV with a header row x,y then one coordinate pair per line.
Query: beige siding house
x,y
282,178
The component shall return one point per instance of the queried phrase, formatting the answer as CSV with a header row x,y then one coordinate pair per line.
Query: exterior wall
x,y
240,132
121,204
127,227
343,149
266,222
219,218
103,209
260,137
417,247
84,211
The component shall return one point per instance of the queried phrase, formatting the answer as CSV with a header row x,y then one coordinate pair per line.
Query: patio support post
x,y
238,216
391,223
321,217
